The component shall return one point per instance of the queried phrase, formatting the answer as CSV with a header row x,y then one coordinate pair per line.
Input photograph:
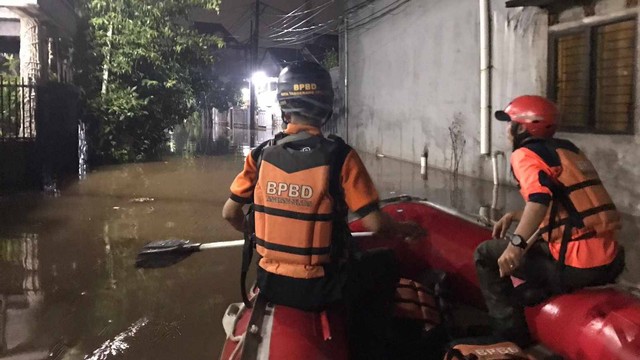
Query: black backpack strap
x,y
341,232
247,254
253,335
560,199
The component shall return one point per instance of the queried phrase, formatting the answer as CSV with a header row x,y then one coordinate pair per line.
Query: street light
x,y
259,79
245,95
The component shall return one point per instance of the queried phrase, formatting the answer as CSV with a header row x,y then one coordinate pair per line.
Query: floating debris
x,y
142,200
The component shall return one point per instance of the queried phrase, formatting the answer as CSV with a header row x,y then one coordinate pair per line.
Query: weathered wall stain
x,y
458,142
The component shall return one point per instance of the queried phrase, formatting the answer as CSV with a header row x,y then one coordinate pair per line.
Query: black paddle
x,y
164,253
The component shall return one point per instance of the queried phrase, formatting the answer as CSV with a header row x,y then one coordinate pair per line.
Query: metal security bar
x,y
17,109
592,76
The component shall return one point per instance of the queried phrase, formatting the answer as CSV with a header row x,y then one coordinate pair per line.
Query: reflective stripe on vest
x,y
498,351
294,209
412,301
595,219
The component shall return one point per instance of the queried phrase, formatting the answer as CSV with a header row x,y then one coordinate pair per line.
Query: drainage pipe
x,y
485,77
346,72
496,170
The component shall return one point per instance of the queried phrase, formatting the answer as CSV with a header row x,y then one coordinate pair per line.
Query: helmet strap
x,y
284,117
519,138
327,118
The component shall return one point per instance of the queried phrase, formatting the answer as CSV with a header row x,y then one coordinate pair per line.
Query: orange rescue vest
x,y
582,220
414,301
297,203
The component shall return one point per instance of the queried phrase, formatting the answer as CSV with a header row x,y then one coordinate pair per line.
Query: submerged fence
x,y
17,108
39,133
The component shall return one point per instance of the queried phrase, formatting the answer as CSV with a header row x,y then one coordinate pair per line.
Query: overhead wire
x,y
296,34
313,27
310,10
288,16
303,41
290,29
378,14
296,28
284,29
301,34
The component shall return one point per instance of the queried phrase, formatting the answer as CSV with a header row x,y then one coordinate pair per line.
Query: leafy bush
x,y
144,70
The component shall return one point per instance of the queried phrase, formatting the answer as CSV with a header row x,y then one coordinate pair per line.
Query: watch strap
x,y
522,244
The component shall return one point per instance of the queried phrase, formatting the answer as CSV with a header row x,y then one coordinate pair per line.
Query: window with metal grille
x,y
592,72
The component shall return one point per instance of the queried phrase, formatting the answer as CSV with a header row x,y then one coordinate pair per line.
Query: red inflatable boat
x,y
591,324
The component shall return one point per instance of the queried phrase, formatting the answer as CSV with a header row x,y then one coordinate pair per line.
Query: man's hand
x,y
510,260
502,226
384,225
232,212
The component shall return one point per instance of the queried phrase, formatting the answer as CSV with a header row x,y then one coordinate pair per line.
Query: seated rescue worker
x,y
566,204
302,185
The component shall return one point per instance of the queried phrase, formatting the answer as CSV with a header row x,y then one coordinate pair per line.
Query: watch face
x,y
517,240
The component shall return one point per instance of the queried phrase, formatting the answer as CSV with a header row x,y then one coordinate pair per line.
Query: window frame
x,y
591,93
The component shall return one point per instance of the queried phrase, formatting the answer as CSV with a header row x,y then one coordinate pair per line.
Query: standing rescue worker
x,y
301,185
566,203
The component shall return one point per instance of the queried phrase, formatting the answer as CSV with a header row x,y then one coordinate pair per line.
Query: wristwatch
x,y
518,241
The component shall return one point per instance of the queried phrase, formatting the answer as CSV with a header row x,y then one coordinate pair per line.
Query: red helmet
x,y
537,115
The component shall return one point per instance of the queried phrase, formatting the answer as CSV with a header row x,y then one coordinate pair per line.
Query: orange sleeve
x,y
360,193
534,176
243,185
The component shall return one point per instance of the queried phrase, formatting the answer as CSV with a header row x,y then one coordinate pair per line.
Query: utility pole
x,y
254,66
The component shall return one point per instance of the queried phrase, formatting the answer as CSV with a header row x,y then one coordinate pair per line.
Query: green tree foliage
x,y
144,70
223,96
330,59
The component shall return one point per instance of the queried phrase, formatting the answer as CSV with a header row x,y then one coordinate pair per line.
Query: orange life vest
x,y
581,223
413,301
297,200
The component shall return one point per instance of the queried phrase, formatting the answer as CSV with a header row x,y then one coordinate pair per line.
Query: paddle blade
x,y
163,253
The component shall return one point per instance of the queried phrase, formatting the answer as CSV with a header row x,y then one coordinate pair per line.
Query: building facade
x,y
423,76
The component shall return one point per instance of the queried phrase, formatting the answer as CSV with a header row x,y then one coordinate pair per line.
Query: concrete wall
x,y
414,81
336,125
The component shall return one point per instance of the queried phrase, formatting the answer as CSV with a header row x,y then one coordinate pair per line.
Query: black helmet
x,y
305,87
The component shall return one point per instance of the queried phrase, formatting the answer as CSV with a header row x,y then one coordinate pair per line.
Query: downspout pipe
x,y
346,72
496,165
485,77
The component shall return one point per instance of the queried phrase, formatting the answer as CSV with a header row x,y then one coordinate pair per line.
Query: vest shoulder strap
x,y
546,150
341,231
303,135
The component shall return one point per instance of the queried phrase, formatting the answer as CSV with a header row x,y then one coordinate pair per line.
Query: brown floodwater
x,y
68,285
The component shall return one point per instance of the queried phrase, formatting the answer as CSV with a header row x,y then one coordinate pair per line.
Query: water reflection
x,y
69,285
217,140
20,295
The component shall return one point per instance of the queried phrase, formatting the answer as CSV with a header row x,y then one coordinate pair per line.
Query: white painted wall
x,y
414,73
